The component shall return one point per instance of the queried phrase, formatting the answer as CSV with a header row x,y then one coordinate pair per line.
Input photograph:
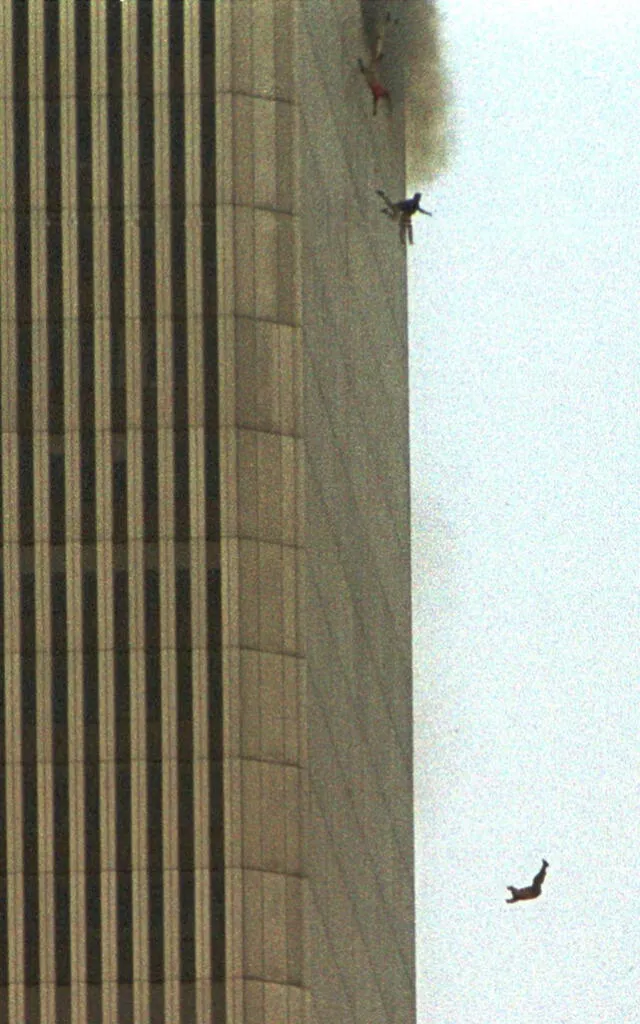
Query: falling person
x,y
403,211
530,892
370,70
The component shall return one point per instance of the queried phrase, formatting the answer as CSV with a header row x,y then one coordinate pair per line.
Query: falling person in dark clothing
x,y
530,892
403,211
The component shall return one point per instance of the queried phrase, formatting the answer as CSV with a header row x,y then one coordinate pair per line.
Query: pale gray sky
x,y
526,477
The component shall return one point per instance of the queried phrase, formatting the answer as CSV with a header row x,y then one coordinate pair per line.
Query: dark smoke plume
x,y
413,66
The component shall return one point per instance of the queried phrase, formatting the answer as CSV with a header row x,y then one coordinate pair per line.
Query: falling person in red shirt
x,y
370,70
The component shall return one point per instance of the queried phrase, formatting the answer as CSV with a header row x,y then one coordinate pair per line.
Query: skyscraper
x,y
205,733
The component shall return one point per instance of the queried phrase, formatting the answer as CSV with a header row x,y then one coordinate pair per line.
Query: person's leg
x,y
391,210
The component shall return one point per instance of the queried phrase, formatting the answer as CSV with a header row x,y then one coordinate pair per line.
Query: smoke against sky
x,y
414,66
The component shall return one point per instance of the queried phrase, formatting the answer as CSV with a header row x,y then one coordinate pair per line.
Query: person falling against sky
x,y
530,892
370,70
403,211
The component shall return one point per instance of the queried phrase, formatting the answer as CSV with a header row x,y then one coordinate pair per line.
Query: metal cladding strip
x,y
104,513
73,520
135,535
45,978
12,781
166,510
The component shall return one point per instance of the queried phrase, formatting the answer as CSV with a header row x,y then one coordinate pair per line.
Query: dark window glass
x,y
90,628
149,370
214,609
152,608
28,613
185,815
59,611
120,501
94,1002
56,351
181,402
215,704
123,858
86,349
145,49
28,689
181,469
217,924
188,1004
215,833
178,248
123,816
156,926
20,51
183,608
21,168
116,251
2,714
187,926
25,378
54,260
125,927
118,351
30,819
88,485
59,700
185,687
121,608
63,929
116,209
92,818
94,942
61,817
118,409
154,799
123,704
4,929
26,488
51,54
150,484
83,123
90,666
83,128
154,724
207,115
125,1002
28,701
31,900
212,472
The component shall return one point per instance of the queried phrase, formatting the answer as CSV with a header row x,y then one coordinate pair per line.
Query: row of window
x,y
153,639
156,889
151,524
125,1003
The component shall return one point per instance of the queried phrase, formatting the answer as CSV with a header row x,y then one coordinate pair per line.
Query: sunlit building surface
x,y
205,702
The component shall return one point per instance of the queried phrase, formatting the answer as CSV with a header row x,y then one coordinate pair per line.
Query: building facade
x,y
205,702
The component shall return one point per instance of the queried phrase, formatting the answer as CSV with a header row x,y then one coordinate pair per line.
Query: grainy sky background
x,y
526,474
